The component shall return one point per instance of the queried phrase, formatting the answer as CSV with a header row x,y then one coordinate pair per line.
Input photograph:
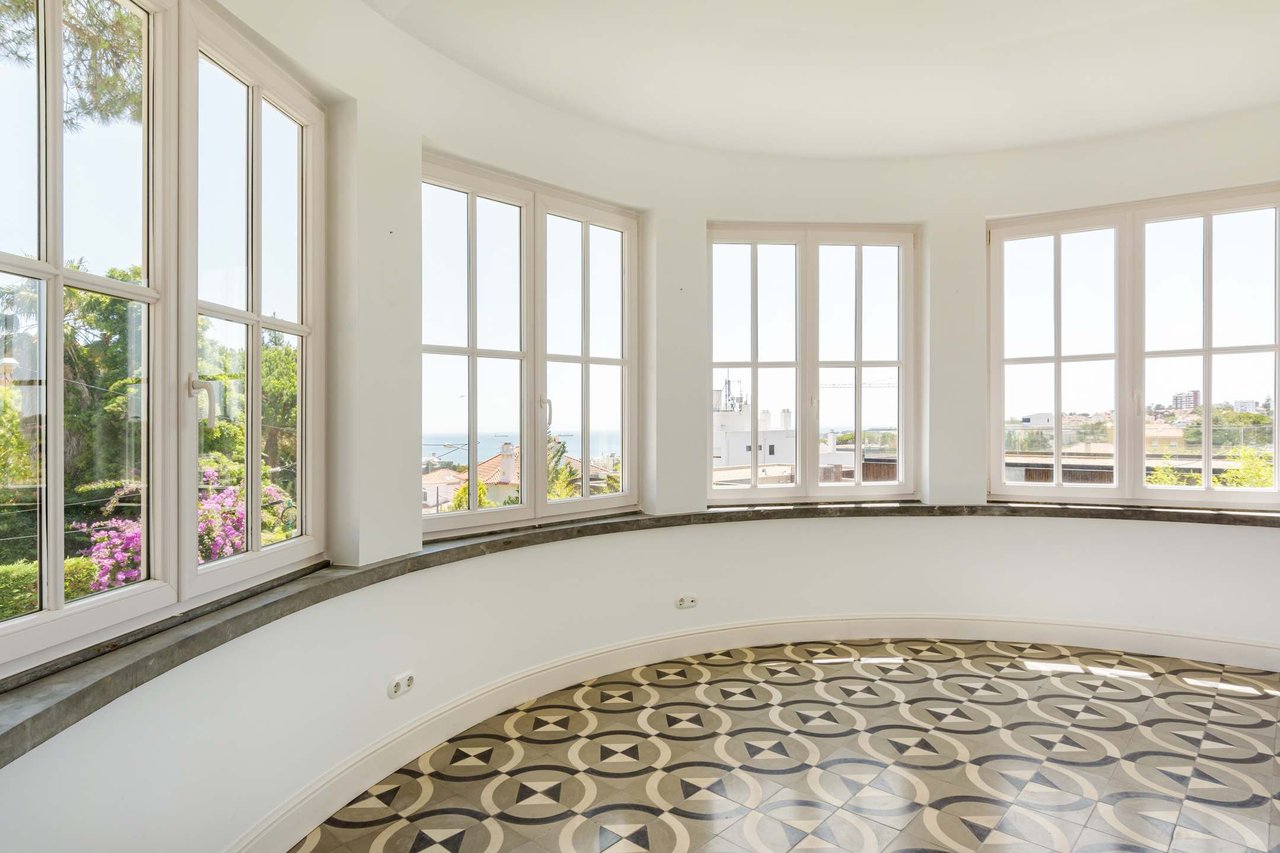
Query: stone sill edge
x,y
37,704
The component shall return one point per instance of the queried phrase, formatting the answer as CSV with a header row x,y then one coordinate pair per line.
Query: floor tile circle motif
x,y
852,745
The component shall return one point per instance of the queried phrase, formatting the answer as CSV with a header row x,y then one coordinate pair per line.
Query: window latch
x,y
546,401
194,387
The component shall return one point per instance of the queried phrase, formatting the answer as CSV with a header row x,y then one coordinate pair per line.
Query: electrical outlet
x,y
686,602
400,685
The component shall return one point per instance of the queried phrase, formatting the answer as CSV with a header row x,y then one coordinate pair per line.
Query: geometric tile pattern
x,y
870,745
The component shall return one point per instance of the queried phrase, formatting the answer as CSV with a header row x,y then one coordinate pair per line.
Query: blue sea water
x,y
451,447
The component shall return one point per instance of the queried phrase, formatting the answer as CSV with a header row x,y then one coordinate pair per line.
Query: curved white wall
x,y
261,739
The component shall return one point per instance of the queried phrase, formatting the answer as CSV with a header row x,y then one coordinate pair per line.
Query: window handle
x,y
194,387
546,401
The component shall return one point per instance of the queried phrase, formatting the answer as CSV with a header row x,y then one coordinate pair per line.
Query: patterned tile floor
x,y
852,746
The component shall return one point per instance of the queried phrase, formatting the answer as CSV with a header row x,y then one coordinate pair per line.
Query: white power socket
x,y
686,602
400,685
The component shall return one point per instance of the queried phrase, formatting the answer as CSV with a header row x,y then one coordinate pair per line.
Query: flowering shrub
x,y
116,549
220,519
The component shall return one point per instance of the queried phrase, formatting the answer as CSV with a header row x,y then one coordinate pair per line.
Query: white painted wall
x,y
213,752
200,757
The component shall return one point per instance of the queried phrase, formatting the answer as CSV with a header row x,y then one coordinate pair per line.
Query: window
x,y
122,492
1135,352
811,337
526,304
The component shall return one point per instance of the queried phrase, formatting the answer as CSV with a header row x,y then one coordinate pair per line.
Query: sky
x,y
1244,283
444,397
838,328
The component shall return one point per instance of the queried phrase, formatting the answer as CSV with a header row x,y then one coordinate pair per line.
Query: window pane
x,y
281,213
880,425
1174,284
221,530
1243,421
1173,434
223,175
776,292
731,427
103,137
564,431
20,141
606,292
497,275
104,393
444,266
731,301
837,425
880,303
564,286
281,370
1028,423
1028,297
446,441
498,401
1089,292
837,303
1244,278
776,433
606,428
1088,422
21,442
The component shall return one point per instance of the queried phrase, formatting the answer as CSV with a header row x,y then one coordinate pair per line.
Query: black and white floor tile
x,y
894,745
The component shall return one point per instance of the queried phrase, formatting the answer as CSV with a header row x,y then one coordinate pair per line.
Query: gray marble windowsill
x,y
37,704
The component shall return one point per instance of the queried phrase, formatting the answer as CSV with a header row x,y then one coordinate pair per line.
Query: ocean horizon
x,y
451,446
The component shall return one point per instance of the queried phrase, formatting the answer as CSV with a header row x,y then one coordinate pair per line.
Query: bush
x,y
19,592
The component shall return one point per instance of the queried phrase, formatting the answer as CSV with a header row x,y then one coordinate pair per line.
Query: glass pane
x,y
104,143
498,401
731,427
446,441
606,292
21,443
20,141
1243,421
497,275
1089,292
776,431
104,394
605,396
444,266
880,425
564,286
1028,423
281,370
1174,284
880,303
281,213
837,303
837,425
564,431
221,530
1244,278
1028,297
1173,433
1088,422
223,175
731,302
776,294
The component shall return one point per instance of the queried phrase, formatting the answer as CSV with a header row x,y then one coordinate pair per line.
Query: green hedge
x,y
19,592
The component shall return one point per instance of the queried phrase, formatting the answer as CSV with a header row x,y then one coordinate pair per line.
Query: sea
x,y
451,447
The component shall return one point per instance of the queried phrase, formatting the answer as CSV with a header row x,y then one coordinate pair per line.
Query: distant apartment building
x,y
1184,401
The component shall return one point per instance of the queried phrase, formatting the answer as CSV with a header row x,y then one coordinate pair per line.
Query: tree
x,y
563,480
460,497
1254,469
102,57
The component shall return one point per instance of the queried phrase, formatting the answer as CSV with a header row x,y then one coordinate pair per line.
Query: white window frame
x,y
1129,220
808,238
178,30
536,201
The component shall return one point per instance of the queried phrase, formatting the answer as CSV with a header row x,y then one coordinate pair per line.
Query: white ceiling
x,y
856,78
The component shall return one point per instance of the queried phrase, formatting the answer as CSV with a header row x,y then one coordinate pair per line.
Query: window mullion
x,y
473,363
584,384
53,546
1206,361
859,371
755,374
253,367
1058,479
